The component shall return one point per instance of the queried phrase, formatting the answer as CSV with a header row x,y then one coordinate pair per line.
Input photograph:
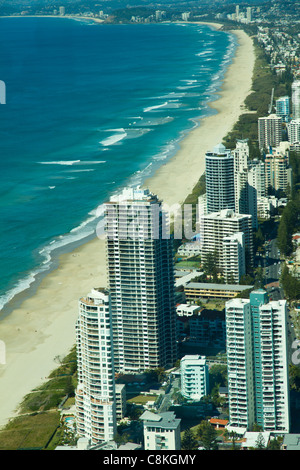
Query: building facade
x,y
269,131
95,392
256,342
161,431
239,365
278,174
234,257
141,282
215,227
219,175
283,108
244,189
194,377
296,99
294,131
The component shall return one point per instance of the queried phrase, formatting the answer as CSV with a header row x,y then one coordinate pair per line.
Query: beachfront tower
x,y
141,282
219,175
95,393
257,363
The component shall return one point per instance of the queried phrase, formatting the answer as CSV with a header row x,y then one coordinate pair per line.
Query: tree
x,y
207,435
210,265
189,441
260,443
290,284
274,444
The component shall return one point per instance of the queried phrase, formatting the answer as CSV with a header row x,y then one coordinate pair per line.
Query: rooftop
x,y
220,287
165,420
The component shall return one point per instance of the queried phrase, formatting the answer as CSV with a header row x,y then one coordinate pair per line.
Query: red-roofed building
x,y
219,423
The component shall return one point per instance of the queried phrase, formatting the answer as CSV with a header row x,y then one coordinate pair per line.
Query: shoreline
x,y
42,326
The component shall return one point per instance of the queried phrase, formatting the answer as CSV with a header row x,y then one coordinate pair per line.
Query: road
x,y
167,400
272,263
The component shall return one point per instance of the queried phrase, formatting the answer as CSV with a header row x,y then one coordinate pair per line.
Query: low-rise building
x,y
161,431
194,377
196,290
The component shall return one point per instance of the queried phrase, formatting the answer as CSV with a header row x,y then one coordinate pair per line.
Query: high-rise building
x,y
214,228
296,99
194,377
234,257
141,282
249,14
278,174
283,108
269,131
244,189
95,392
62,11
240,364
257,360
219,175
294,131
257,177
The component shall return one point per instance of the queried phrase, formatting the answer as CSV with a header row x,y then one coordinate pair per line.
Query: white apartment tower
x,y
194,377
234,257
257,177
95,392
269,131
296,99
256,341
240,365
219,174
244,189
278,174
141,282
294,131
214,228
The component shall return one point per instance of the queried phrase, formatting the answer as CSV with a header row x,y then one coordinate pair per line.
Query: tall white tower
x,y
141,282
245,191
256,342
95,392
296,99
219,175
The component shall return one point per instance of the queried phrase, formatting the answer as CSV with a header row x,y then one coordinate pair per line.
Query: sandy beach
x,y
43,326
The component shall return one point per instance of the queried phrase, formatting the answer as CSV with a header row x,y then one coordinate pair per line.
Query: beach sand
x,y
43,326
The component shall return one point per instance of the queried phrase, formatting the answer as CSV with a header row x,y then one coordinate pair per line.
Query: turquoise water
x,y
89,109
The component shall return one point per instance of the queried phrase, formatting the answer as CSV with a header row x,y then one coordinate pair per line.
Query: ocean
x,y
90,109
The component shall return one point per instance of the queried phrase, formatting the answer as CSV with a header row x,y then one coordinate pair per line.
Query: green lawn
x,y
29,432
142,399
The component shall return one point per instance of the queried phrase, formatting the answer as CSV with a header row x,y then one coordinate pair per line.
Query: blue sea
x,y
90,109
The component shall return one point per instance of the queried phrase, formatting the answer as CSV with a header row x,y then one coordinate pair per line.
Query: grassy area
x,y
187,264
142,399
29,432
39,418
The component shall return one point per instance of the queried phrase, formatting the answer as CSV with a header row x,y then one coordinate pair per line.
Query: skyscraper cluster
x,y
227,225
129,327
